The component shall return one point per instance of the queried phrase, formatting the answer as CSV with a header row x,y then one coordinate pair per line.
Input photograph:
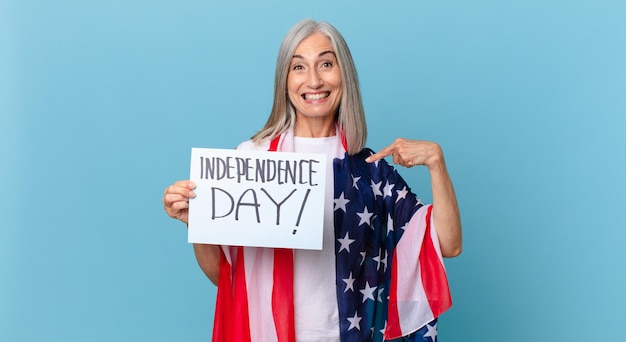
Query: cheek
x,y
292,94
337,81
339,86
292,85
293,98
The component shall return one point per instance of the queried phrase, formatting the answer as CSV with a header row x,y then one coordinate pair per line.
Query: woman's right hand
x,y
176,199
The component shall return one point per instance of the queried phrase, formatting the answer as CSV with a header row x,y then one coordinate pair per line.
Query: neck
x,y
308,128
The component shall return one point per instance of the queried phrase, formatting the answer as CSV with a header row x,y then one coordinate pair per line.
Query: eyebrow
x,y
319,54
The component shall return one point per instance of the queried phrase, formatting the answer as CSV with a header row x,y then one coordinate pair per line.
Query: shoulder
x,y
379,169
250,145
362,155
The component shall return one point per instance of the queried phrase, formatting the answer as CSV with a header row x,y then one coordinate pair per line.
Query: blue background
x,y
101,102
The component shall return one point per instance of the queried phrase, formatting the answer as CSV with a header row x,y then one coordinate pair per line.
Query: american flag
x,y
390,277
384,281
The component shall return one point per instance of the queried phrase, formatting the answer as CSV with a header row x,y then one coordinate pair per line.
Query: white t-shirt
x,y
315,294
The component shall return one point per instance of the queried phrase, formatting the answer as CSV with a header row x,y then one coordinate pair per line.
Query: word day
x,y
249,198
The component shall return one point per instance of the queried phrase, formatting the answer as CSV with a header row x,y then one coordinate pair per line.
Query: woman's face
x,y
314,80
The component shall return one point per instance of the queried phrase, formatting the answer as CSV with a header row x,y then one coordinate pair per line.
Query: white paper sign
x,y
257,198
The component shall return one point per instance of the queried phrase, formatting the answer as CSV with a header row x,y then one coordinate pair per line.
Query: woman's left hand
x,y
446,214
411,153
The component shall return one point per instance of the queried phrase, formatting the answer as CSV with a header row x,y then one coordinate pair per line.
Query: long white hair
x,y
350,115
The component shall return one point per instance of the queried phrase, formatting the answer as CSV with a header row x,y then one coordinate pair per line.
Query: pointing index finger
x,y
379,155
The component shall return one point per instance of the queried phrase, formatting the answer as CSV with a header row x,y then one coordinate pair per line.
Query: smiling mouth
x,y
316,96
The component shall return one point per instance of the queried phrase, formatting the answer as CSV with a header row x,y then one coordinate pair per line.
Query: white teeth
x,y
315,96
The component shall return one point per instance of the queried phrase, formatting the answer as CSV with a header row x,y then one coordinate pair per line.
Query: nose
x,y
315,79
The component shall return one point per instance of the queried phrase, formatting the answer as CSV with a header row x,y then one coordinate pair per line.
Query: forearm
x,y
446,215
208,257
446,211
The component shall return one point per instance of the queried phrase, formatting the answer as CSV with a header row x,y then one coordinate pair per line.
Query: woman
x,y
379,275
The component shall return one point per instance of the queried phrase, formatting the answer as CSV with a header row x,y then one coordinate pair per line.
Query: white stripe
x,y
259,265
413,307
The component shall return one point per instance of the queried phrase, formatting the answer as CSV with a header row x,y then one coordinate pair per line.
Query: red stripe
x,y
274,144
231,321
240,293
222,303
282,295
393,317
282,290
434,277
344,142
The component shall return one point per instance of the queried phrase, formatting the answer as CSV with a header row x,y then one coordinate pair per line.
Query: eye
x,y
297,67
327,65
